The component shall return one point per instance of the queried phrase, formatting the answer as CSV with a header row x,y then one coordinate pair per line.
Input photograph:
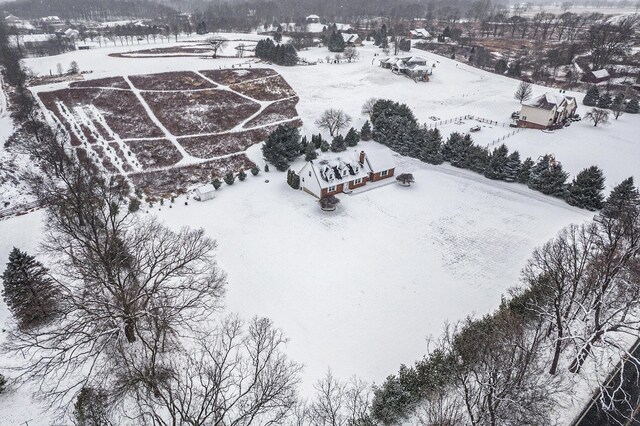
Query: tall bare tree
x,y
523,92
333,120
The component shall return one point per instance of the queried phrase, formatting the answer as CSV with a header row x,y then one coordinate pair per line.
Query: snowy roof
x,y
421,32
400,64
420,68
50,18
600,73
332,169
548,101
313,17
205,189
414,59
379,161
350,38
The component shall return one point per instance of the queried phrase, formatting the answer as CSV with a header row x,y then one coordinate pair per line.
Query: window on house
x,y
384,173
303,179
331,189
309,173
345,172
357,181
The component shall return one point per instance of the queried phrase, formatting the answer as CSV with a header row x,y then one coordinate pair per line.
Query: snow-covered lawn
x,y
359,290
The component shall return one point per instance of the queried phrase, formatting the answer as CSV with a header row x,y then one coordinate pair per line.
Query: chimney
x,y
362,157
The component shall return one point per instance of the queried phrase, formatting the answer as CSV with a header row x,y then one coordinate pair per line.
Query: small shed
x,y
597,76
206,192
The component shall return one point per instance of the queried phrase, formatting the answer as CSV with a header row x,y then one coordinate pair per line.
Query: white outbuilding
x,y
206,192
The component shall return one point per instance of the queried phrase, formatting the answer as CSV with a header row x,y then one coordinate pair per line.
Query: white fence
x,y
481,120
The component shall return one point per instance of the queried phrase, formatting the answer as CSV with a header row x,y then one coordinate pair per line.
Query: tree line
x,y
281,54
90,10
394,125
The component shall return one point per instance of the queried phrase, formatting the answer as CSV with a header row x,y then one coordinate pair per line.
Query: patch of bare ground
x,y
234,76
207,111
108,82
179,180
122,111
155,153
126,166
265,89
182,80
277,111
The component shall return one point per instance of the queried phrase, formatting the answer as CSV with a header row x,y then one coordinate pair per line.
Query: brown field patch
x,y
182,80
109,82
265,89
207,111
121,109
155,153
219,145
234,76
277,111
179,180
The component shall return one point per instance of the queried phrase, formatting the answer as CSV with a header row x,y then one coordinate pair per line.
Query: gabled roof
x,y
414,59
350,38
379,160
205,189
548,101
600,73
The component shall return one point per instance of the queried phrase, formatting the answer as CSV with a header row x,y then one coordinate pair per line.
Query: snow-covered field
x,y
359,290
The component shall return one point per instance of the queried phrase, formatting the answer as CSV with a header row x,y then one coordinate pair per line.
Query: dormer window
x,y
345,172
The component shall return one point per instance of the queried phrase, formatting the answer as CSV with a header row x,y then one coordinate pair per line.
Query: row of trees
x,y
281,54
395,126
619,103
577,302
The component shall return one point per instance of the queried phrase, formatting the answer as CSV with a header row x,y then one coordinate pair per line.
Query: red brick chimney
x,y
362,157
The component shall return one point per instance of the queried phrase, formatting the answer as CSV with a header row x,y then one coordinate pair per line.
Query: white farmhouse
x,y
548,111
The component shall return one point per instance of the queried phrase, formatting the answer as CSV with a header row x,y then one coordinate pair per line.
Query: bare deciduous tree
x,y
367,107
351,53
523,92
598,116
217,44
333,120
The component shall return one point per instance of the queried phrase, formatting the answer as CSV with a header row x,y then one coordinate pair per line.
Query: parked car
x,y
475,129
515,114
513,125
434,118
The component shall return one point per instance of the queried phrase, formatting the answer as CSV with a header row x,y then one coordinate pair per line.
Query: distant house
x,y
598,76
205,192
413,66
419,33
548,111
343,172
313,19
15,22
351,39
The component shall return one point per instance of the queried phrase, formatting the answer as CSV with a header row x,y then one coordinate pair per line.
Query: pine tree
x,y
282,147
617,105
290,56
365,132
548,177
632,106
242,175
254,171
605,101
324,146
513,167
338,144
457,149
432,152
623,203
592,96
586,189
336,42
310,152
27,290
501,67
497,163
525,171
352,138
478,158
229,178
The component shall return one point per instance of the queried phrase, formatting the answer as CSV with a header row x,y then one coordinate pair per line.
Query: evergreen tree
x,y
432,152
134,205
282,147
623,203
632,106
525,171
27,290
338,144
513,167
290,56
605,101
586,189
254,171
592,96
91,408
365,132
617,106
498,160
3,384
242,175
478,158
310,152
501,67
457,149
216,183
548,177
229,178
336,42
515,69
324,146
352,138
